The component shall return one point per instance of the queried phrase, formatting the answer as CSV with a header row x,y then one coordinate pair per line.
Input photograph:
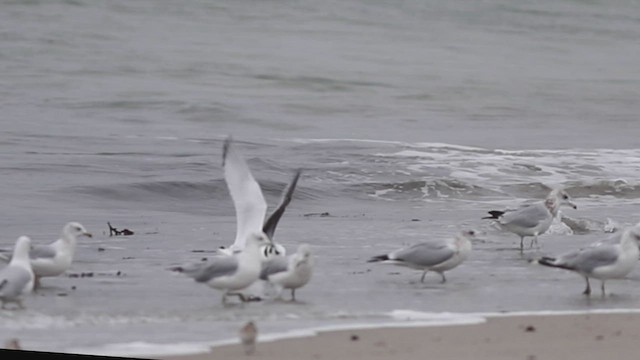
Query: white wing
x,y
246,194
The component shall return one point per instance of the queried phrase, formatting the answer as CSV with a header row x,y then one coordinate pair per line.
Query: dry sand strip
x,y
584,337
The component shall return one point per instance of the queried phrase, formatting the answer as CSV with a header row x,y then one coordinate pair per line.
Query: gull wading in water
x,y
16,279
438,255
249,202
230,273
532,219
289,273
56,258
613,258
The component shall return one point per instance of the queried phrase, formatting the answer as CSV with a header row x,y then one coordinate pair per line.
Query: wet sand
x,y
585,336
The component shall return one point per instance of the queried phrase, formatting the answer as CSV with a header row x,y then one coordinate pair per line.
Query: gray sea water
x,y
410,119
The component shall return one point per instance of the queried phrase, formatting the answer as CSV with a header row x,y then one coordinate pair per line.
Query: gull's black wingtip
x,y
378,258
551,262
495,214
225,148
294,180
271,223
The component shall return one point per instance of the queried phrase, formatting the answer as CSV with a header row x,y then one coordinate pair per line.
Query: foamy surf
x,y
400,319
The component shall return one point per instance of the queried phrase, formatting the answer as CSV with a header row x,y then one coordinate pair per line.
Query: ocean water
x,y
409,120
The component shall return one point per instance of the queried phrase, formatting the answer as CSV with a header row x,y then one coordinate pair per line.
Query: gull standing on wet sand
x,y
532,219
602,260
230,273
16,279
434,255
249,202
289,273
56,258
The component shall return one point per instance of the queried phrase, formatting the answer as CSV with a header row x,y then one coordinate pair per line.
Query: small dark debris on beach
x,y
415,220
115,232
203,251
355,337
73,287
101,249
323,214
128,258
62,294
80,275
359,272
599,337
530,328
95,274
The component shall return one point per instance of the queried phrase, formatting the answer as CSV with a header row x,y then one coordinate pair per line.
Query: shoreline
x,y
520,335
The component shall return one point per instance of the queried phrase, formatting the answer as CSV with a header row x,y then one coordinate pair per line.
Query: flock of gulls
x,y
255,264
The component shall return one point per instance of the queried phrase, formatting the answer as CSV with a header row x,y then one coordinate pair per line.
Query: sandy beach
x,y
584,336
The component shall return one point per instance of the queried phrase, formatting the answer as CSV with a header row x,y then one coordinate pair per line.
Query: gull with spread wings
x,y
249,203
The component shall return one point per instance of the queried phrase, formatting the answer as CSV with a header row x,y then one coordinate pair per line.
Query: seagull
x,y
250,204
289,273
438,255
613,258
17,279
55,258
230,273
532,219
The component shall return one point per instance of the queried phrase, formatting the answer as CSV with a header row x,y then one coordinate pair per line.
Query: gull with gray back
x,y
289,273
532,219
48,260
230,273
612,258
437,255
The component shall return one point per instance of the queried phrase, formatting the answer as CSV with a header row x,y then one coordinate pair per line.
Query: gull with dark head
x,y
17,279
613,258
56,258
249,202
532,219
289,273
437,255
230,273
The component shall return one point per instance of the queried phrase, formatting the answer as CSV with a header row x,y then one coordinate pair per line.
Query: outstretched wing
x,y
246,194
269,227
